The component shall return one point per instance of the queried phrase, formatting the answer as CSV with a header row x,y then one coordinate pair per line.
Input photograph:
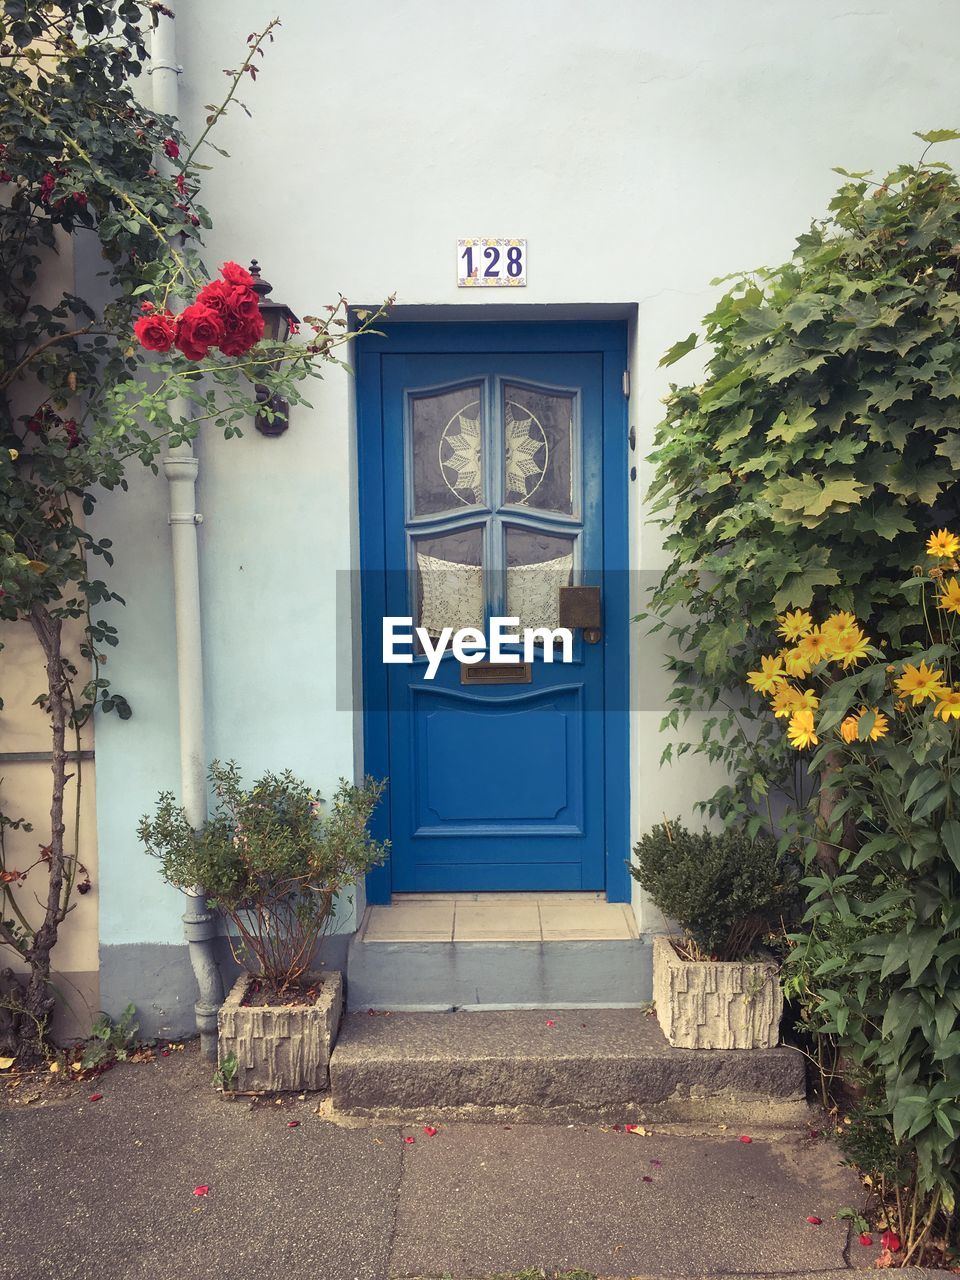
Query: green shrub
x,y
816,448
271,860
726,891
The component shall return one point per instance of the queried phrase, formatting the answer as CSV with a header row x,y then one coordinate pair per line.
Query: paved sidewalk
x,y
105,1190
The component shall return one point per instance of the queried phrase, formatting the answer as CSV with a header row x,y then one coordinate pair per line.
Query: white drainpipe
x,y
180,466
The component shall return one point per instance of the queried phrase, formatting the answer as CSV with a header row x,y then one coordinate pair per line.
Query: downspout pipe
x,y
181,467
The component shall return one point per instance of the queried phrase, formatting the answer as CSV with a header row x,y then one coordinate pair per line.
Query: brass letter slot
x,y
495,673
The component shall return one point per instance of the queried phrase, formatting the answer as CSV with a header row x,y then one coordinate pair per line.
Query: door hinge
x,y
626,384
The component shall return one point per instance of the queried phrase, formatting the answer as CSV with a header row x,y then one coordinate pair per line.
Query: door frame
x,y
605,338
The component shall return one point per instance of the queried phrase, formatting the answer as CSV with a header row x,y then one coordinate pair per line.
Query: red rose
x,y
233,273
47,183
216,296
171,148
198,329
243,331
155,330
238,309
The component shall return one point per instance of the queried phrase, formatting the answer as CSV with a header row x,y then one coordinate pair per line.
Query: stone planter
x,y
716,1004
280,1048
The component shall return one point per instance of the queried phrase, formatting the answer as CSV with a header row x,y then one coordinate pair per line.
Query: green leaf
x,y
938,135
950,835
678,350
923,945
896,956
887,522
786,360
923,782
798,589
848,491
800,421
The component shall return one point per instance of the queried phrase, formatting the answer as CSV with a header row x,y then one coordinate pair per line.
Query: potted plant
x,y
715,987
273,859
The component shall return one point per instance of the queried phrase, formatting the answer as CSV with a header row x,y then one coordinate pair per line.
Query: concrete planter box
x,y
716,1004
277,1048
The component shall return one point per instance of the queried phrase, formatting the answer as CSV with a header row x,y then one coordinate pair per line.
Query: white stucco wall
x,y
642,148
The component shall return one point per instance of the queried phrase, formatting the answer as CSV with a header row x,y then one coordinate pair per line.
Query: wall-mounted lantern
x,y
278,323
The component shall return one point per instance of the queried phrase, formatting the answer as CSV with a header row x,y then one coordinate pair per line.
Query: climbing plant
x,y
821,442
89,381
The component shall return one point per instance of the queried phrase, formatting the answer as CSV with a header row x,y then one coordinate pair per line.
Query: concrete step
x,y
421,976
610,1065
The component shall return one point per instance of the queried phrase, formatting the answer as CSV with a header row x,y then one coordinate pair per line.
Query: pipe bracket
x,y
185,517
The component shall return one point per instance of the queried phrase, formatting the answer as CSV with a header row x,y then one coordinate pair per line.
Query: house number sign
x,y
498,263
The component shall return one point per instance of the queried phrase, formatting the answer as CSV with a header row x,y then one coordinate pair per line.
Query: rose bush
x,y
83,159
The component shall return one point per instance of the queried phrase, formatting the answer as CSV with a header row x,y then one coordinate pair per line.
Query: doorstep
x,y
499,917
498,951
566,1066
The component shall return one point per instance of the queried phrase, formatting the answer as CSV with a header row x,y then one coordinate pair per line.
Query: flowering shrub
x,y
801,467
876,965
914,692
271,859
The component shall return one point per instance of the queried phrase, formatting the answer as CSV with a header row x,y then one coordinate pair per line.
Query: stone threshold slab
x,y
517,917
567,1064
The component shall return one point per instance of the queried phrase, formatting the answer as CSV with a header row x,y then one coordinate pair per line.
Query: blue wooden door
x,y
491,490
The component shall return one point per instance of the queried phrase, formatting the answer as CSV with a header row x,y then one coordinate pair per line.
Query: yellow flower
x,y
943,544
807,699
801,731
769,676
881,725
784,701
789,699
815,646
14,454
948,708
796,624
850,729
839,622
849,647
950,600
921,682
795,663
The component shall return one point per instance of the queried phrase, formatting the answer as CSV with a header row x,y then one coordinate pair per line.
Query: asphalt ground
x,y
106,1190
